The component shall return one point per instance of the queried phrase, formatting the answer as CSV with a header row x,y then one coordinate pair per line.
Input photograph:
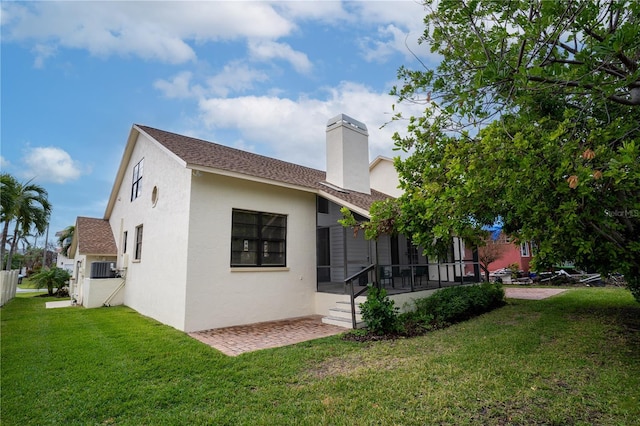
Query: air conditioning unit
x,y
103,270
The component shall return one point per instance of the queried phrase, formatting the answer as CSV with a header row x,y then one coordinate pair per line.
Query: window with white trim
x,y
136,185
138,247
524,249
258,239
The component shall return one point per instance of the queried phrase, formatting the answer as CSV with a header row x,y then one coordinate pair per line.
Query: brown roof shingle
x,y
197,152
95,237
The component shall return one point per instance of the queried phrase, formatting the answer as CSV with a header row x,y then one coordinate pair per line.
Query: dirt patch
x,y
355,364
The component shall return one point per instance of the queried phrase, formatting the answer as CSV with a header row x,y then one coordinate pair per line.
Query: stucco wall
x,y
156,283
98,292
384,177
220,296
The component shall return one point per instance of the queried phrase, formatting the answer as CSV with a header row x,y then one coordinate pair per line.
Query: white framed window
x,y
524,249
138,247
124,241
258,239
136,185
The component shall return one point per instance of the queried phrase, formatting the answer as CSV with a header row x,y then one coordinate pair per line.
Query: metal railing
x,y
349,282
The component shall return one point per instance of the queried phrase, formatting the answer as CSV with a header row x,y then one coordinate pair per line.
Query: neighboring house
x,y
62,261
512,253
92,243
206,236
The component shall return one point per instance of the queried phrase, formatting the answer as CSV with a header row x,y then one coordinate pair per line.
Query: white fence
x,y
8,284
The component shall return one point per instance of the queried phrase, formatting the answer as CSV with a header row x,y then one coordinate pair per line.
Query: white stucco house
x,y
199,235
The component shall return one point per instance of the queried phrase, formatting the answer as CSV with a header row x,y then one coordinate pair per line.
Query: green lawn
x,y
569,360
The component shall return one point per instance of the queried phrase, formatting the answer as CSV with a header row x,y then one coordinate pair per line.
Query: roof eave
x,y
343,203
131,141
250,178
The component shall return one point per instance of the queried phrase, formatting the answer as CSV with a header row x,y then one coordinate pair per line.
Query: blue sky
x,y
259,76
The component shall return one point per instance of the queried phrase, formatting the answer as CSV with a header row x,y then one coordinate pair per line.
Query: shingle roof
x,y
95,237
200,153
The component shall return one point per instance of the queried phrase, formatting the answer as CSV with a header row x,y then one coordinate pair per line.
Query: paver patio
x,y
252,337
237,340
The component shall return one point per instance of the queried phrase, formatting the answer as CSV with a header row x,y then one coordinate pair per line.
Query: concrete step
x,y
342,322
347,305
340,312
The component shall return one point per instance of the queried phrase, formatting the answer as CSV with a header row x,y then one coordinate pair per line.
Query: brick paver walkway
x,y
252,337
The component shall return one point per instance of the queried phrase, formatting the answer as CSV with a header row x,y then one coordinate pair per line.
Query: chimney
x,y
348,154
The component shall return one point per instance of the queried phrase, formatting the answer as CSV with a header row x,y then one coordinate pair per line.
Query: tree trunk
x,y
14,243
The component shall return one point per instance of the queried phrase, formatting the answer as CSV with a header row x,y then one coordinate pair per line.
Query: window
x,y
138,248
258,239
524,249
124,242
136,186
323,205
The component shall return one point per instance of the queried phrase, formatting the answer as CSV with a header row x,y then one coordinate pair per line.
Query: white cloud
x,y
4,163
294,130
178,87
235,77
399,29
150,30
51,164
266,50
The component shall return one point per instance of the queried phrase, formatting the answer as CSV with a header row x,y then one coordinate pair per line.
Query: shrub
x,y
50,278
379,312
456,304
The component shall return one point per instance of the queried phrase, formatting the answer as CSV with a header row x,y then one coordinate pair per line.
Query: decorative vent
x,y
103,270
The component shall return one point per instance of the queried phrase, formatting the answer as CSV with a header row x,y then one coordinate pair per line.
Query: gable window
x,y
258,239
138,247
136,185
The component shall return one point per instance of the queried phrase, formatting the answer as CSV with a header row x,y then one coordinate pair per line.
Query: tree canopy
x,y
532,117
26,205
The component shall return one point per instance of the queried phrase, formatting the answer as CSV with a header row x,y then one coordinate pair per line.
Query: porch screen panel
x,y
258,239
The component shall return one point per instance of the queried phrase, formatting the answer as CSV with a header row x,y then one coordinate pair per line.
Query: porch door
x,y
323,251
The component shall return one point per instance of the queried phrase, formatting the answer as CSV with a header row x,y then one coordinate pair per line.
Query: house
x,y
92,246
206,236
512,253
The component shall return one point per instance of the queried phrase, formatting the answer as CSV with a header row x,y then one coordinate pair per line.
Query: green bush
x,y
454,304
50,278
379,312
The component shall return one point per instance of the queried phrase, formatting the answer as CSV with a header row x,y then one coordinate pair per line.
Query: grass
x,y
28,284
570,360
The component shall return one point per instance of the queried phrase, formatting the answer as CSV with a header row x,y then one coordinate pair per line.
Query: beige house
x,y
206,236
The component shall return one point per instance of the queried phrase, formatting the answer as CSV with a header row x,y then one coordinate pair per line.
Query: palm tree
x,y
8,190
64,239
25,204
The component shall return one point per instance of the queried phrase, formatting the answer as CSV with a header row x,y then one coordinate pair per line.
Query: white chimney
x,y
348,154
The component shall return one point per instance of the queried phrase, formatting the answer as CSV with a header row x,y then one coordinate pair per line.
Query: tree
x,y
64,239
51,278
489,253
27,206
532,118
8,197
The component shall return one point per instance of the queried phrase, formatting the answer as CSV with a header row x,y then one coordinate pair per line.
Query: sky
x,y
263,76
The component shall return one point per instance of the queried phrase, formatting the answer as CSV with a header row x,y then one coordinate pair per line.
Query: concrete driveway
x,y
532,293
